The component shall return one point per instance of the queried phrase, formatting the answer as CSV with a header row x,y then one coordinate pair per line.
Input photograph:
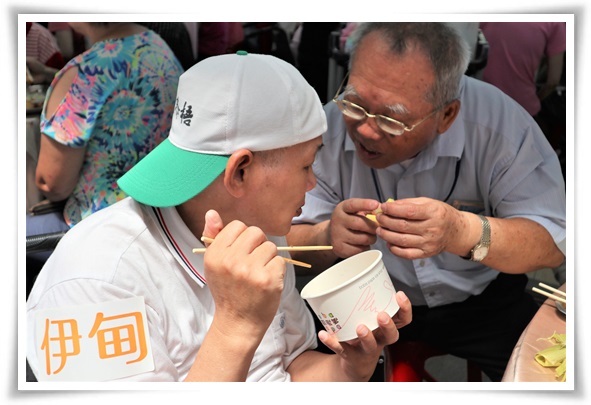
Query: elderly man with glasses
x,y
479,198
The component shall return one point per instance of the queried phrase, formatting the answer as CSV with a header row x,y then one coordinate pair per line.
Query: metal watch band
x,y
485,237
480,251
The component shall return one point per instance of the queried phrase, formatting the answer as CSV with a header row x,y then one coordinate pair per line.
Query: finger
x,y
408,253
254,238
404,315
409,208
331,342
213,224
273,262
387,332
361,237
228,235
367,340
355,205
401,225
279,268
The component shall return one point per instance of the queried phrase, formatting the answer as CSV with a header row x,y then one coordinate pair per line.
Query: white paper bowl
x,y
351,293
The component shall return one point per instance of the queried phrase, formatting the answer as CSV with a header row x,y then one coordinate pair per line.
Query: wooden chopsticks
x,y
562,294
279,248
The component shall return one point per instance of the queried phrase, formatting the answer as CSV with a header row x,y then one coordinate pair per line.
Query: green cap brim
x,y
170,176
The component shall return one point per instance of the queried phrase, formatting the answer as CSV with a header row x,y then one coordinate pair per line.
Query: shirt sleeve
x,y
557,39
75,117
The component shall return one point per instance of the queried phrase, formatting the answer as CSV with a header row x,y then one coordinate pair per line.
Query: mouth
x,y
366,153
299,211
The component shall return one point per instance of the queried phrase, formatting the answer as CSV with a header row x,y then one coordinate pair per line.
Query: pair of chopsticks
x,y
562,297
279,248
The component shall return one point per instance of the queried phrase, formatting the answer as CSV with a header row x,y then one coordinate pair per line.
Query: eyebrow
x,y
394,108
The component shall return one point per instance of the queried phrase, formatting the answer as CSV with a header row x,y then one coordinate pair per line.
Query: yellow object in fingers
x,y
372,217
377,211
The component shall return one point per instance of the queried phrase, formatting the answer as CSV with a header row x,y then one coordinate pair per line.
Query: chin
x,y
278,230
374,163
281,232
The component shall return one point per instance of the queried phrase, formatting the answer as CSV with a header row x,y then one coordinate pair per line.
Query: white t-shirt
x,y
129,250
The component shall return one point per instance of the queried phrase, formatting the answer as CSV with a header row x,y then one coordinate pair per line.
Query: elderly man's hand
x,y
350,232
417,228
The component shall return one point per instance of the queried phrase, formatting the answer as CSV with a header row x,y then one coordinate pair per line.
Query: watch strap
x,y
484,239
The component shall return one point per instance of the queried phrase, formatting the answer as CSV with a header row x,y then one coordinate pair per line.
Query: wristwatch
x,y
479,252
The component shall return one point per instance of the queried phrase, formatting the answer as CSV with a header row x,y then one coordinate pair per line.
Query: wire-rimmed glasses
x,y
385,123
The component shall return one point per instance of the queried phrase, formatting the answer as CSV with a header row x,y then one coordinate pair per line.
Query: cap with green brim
x,y
225,103
155,180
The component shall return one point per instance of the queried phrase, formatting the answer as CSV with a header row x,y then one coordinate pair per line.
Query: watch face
x,y
480,253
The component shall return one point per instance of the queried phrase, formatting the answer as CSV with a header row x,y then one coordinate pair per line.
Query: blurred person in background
x,y
177,36
518,50
218,38
104,111
44,57
70,42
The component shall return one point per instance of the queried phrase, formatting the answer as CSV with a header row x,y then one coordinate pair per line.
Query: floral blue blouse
x,y
119,108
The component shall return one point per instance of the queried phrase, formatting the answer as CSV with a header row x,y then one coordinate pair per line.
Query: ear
x,y
235,169
450,112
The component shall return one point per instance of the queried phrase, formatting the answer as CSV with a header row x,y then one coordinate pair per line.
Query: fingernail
x,y
363,331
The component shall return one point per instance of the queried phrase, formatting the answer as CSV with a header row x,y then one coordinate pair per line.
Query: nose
x,y
368,128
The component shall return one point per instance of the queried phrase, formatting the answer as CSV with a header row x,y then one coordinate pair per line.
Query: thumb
x,y
213,224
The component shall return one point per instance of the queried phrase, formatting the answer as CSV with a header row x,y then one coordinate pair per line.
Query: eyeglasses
x,y
386,124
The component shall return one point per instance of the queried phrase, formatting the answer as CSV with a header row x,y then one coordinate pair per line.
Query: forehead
x,y
295,153
378,74
308,147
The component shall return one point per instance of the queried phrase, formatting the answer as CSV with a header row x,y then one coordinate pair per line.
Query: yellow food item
x,y
377,211
554,356
372,217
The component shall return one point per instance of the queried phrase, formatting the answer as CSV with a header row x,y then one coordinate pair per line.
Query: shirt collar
x,y
180,241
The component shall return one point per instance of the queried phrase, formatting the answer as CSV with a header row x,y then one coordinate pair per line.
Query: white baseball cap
x,y
225,103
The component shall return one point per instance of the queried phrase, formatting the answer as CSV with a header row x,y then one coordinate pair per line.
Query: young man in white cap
x,y
124,297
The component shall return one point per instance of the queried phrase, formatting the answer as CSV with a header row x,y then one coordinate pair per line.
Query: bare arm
x,y
553,75
421,227
306,235
58,166
41,73
520,246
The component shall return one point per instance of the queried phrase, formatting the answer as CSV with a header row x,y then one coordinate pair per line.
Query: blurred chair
x,y
480,57
405,362
38,250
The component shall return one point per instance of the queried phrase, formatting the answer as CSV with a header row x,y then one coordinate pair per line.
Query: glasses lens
x,y
351,110
391,127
